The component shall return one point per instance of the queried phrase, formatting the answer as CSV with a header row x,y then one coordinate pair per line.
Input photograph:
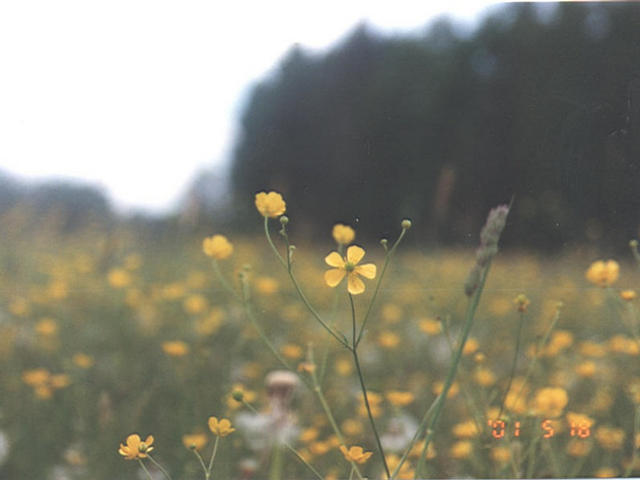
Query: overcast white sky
x,y
136,95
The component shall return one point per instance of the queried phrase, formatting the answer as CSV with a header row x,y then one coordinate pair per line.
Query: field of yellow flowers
x,y
128,356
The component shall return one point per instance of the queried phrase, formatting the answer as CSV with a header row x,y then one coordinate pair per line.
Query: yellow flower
x,y
135,448
349,266
195,304
610,438
399,398
175,348
466,429
47,327
83,360
355,454
522,302
430,326
628,295
549,402
405,472
291,350
603,273
217,247
220,428
194,441
461,449
270,204
118,278
343,234
388,339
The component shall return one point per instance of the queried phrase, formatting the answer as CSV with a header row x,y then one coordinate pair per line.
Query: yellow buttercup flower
x,y
217,246
349,266
270,204
355,454
194,441
221,427
135,448
175,348
603,273
399,398
628,295
550,401
343,234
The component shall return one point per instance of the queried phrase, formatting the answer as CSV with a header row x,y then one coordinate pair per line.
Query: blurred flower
x,y
47,327
355,454
399,398
194,440
466,429
603,273
291,350
349,266
217,247
270,204
175,348
578,448
267,285
606,472
343,234
118,278
549,402
586,369
483,376
135,448
430,326
522,302
82,360
220,428
461,449
195,304
628,295
388,339
405,472
500,454
470,346
610,438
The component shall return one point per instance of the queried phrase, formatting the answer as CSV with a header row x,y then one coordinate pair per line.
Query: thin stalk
x,y
288,446
213,456
145,469
387,259
634,455
356,361
327,410
287,264
160,467
275,470
227,286
513,365
440,400
201,460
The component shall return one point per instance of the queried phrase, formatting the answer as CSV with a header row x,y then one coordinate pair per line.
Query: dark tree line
x,y
443,126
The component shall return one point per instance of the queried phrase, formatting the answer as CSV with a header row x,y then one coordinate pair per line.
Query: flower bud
x,y
284,220
406,224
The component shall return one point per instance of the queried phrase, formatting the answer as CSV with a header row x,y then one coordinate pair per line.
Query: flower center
x,y
349,267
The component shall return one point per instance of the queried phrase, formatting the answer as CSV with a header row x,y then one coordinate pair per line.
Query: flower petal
x,y
354,254
368,270
334,260
355,286
334,276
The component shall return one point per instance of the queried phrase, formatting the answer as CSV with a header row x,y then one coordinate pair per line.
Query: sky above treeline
x,y
136,96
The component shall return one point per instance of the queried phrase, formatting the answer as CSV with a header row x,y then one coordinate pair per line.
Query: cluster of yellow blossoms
x,y
272,205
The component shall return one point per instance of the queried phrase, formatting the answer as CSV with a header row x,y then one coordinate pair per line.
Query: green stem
x,y
356,361
429,427
213,456
287,264
226,285
327,410
201,460
275,470
513,366
387,259
160,467
145,469
634,455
